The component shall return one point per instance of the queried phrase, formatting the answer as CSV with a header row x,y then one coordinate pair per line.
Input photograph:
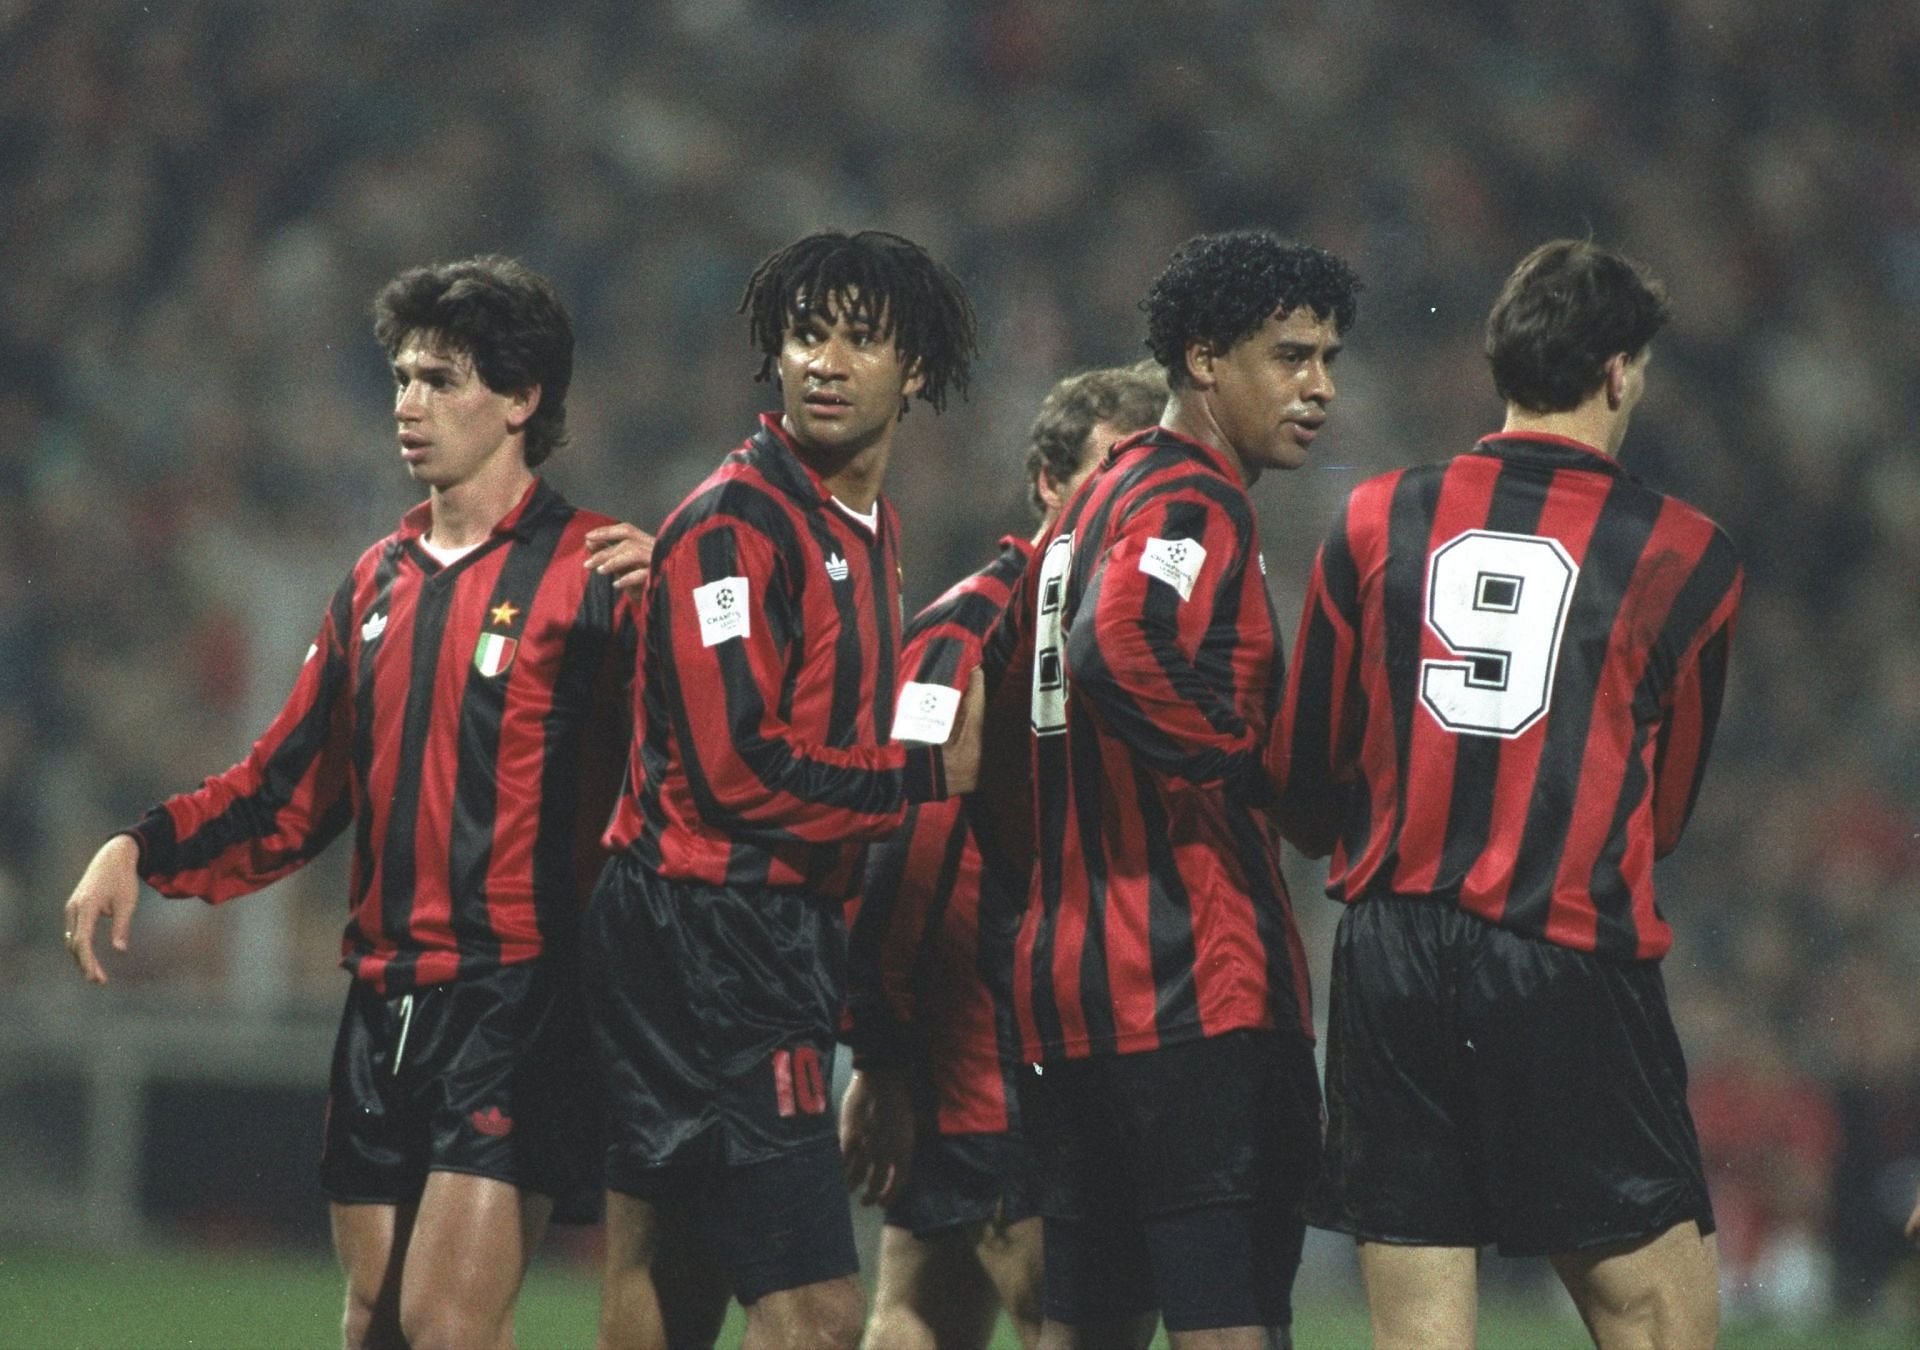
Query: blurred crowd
x,y
201,197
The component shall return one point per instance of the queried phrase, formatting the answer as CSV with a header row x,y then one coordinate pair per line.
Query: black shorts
x,y
713,1014
1484,1086
1172,1178
961,1179
489,1075
783,1223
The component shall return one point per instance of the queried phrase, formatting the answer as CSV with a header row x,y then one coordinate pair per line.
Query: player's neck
x,y
1592,423
464,513
1189,414
854,480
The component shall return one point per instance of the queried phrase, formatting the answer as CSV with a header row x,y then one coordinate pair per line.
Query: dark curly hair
x,y
1130,397
1567,308
501,315
1219,289
889,280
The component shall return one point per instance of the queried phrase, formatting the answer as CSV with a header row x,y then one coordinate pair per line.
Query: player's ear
x,y
915,381
1616,381
1200,357
521,406
1051,495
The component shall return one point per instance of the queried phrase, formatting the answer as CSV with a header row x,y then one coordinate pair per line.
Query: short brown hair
x,y
1127,396
1564,312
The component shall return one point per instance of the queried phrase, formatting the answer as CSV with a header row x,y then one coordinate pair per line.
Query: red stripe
x,y
1466,495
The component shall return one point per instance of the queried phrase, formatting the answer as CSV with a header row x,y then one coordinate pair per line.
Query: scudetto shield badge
x,y
493,653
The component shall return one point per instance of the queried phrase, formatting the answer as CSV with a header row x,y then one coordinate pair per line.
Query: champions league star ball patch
x,y
493,654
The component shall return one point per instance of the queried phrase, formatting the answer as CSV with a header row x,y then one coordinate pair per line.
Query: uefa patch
x,y
722,608
1174,561
925,713
493,654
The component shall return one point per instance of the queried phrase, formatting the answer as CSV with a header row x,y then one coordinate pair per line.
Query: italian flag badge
x,y
493,653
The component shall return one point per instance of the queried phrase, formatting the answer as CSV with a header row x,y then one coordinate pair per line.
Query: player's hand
x,y
876,1134
1912,1230
110,886
961,755
623,552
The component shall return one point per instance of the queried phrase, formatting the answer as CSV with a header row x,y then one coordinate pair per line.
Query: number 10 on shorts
x,y
799,1087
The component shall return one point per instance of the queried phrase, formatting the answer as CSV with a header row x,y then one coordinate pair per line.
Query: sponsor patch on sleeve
x,y
925,713
722,607
1174,561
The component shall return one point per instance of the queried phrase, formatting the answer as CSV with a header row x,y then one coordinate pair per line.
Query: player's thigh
x,y
823,1315
931,1293
1663,1291
1420,1298
471,1242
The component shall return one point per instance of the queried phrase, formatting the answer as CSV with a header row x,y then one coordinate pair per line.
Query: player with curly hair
x,y
1159,983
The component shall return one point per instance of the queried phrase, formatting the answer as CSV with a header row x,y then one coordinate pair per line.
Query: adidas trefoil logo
x,y
375,625
492,1121
837,567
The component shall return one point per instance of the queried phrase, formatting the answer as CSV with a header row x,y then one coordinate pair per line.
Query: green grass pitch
x,y
225,1298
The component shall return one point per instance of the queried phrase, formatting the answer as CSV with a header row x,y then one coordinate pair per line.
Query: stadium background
x,y
197,200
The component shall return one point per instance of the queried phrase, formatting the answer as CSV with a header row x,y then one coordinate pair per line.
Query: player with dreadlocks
x,y
762,765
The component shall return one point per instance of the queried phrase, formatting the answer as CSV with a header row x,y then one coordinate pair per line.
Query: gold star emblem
x,y
504,613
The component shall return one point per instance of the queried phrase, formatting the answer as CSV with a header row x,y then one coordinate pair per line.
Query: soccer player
x,y
763,764
930,1123
455,711
1506,681
1159,982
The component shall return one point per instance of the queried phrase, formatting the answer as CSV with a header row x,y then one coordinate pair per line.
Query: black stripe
x,y
386,575
1620,533
428,621
1170,942
1087,778
1403,583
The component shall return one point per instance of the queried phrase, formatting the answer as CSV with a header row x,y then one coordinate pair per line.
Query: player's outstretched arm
x,y
876,1133
110,886
1912,1230
623,552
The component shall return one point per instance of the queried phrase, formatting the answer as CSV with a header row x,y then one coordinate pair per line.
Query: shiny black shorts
x,y
713,1013
961,1179
1484,1086
489,1075
1172,1179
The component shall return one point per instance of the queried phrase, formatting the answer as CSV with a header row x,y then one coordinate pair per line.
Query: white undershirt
x,y
871,519
447,557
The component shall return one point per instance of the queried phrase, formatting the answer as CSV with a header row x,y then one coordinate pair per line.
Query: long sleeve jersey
x,y
458,718
931,947
1506,683
762,753
1157,911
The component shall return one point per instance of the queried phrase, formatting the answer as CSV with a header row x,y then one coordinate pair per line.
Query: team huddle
x,y
643,828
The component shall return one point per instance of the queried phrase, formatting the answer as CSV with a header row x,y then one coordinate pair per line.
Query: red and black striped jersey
x,y
1507,679
458,718
1157,912
932,935
765,703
